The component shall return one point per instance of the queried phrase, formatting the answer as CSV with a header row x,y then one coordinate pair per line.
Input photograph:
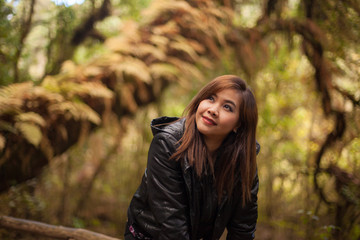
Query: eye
x,y
211,98
228,107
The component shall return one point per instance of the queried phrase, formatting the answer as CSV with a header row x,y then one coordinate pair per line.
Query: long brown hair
x,y
238,150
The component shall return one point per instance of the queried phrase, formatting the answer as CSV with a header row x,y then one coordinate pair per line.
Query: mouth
x,y
209,121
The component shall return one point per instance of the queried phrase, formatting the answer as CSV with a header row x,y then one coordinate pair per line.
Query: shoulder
x,y
170,128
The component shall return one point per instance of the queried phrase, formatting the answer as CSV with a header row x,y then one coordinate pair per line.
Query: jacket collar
x,y
173,125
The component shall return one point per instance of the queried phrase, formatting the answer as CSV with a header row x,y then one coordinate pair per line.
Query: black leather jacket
x,y
164,206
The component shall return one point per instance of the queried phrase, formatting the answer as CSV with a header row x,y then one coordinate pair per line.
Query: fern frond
x,y
181,44
166,70
10,106
30,131
134,67
168,29
30,117
127,99
105,61
69,68
187,69
130,36
86,113
218,12
68,89
159,41
76,111
162,8
2,142
96,89
143,49
51,84
119,44
8,127
162,70
93,89
130,30
48,93
198,47
93,70
16,90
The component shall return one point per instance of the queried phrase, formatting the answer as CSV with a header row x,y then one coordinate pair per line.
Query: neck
x,y
212,145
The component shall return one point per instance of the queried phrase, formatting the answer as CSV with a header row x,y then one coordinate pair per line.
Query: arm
x,y
242,225
166,189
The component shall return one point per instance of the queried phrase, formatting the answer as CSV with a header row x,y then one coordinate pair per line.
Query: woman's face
x,y
218,115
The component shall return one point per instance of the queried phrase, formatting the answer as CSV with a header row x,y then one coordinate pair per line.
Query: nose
x,y
213,111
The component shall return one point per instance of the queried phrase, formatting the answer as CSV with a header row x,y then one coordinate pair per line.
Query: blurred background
x,y
82,79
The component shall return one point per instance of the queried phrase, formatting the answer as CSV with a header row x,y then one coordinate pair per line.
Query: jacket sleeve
x,y
166,189
242,225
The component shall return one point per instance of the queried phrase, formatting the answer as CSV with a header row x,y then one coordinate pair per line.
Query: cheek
x,y
201,107
232,120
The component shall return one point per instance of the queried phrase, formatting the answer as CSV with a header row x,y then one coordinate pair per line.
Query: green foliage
x,y
130,8
78,223
20,201
60,32
7,41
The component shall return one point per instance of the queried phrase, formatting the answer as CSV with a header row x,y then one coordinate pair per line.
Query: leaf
x,y
6,126
159,41
130,30
51,84
69,67
187,69
85,112
2,142
143,49
181,44
11,97
107,60
165,70
170,28
75,110
161,8
199,48
93,71
134,67
93,89
119,44
16,90
31,117
135,49
10,105
30,131
130,37
127,97
47,148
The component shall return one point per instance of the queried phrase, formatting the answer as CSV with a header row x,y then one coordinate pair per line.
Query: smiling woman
x,y
217,116
201,172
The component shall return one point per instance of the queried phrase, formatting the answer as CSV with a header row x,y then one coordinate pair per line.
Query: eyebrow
x,y
231,102
226,100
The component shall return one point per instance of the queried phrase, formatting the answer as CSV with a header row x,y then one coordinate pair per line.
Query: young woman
x,y
201,173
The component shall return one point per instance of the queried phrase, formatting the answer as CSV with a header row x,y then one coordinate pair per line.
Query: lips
x,y
209,121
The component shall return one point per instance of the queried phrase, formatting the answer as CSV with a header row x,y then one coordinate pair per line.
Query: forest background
x,y
81,82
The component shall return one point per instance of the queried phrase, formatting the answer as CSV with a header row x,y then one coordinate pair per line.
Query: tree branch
x,y
87,27
26,26
332,137
351,97
51,231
